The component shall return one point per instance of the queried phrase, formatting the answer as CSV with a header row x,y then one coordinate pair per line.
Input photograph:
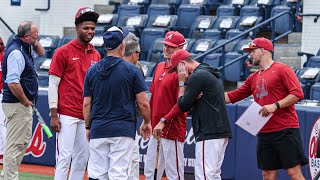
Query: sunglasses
x,y
84,11
138,52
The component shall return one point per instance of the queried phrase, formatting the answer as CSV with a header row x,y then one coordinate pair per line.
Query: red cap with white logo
x,y
259,43
174,39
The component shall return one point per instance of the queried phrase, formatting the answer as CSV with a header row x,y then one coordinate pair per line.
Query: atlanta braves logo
x,y
36,147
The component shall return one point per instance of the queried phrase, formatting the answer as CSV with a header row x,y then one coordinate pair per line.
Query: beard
x,y
256,62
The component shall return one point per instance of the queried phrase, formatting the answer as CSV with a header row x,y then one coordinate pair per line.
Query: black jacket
x,y
209,113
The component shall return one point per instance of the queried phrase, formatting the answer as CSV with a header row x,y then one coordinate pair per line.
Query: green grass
x,y
32,176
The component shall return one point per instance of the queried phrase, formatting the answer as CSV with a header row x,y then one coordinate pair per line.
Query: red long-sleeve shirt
x,y
268,87
165,89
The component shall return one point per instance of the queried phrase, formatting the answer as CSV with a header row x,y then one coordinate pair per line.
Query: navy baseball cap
x,y
114,36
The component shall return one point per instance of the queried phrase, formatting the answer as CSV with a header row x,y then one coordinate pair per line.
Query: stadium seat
x,y
250,10
158,9
202,45
155,53
189,44
228,47
148,36
97,42
314,62
168,22
127,10
213,34
199,25
107,20
234,32
134,23
315,92
226,10
224,23
213,59
235,71
174,4
148,69
283,23
186,15
49,43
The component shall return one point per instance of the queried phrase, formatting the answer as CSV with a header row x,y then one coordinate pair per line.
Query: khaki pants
x,y
19,133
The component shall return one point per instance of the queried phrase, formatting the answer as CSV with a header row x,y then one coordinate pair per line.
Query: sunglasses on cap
x,y
84,11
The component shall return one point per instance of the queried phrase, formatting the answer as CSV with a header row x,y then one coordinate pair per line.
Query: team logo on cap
x,y
169,36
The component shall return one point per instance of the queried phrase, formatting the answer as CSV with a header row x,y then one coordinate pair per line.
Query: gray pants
x,y
19,133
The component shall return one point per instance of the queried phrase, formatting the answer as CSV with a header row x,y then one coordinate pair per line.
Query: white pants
x,y
134,164
2,128
209,158
71,146
171,159
110,157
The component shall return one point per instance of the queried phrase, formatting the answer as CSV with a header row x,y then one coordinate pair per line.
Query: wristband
x,y
88,127
277,104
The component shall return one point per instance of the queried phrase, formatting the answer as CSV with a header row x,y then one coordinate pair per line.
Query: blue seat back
x,y
148,36
213,59
283,23
186,15
158,9
226,10
127,10
200,24
213,34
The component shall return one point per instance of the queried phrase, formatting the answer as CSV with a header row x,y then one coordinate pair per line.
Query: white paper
x,y
162,21
105,18
134,21
202,47
265,2
226,23
45,42
310,73
248,21
251,120
97,41
204,23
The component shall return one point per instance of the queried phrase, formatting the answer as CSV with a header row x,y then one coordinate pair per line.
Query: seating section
x,y
206,24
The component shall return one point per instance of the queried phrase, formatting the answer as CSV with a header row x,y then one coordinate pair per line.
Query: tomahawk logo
x,y
36,147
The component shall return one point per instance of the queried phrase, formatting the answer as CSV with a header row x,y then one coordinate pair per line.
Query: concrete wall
x,y
311,30
61,14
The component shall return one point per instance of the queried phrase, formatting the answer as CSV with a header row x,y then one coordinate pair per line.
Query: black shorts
x,y
280,150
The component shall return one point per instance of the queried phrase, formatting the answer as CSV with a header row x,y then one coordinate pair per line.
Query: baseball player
x,y
164,89
67,71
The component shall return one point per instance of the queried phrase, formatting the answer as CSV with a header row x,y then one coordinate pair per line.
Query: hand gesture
x,y
157,131
267,109
182,72
145,130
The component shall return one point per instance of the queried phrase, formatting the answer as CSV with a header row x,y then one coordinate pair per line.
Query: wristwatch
x,y
163,120
181,83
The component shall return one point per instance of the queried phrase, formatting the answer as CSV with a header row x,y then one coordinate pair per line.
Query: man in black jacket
x,y
202,92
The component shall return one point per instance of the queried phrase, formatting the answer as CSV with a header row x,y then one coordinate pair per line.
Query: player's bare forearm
x,y
288,101
142,101
17,91
87,110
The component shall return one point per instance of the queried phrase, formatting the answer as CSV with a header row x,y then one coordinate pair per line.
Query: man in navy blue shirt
x,y
111,89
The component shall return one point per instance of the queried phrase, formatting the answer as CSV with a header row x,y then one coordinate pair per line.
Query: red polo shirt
x,y
70,63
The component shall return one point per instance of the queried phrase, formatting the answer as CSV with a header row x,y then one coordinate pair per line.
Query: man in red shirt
x,y
276,88
165,89
2,116
67,71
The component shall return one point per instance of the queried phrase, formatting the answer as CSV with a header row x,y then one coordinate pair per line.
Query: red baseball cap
x,y
85,14
177,57
259,43
174,39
